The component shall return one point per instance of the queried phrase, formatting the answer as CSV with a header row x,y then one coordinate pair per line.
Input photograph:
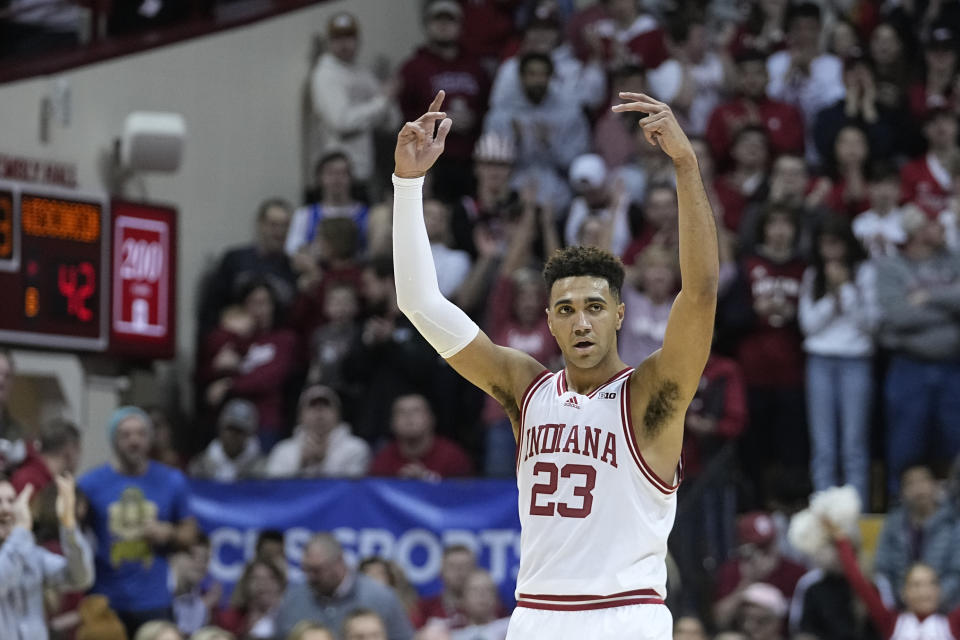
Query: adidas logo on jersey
x,y
572,402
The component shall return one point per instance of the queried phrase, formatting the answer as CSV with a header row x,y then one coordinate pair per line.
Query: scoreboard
x,y
84,272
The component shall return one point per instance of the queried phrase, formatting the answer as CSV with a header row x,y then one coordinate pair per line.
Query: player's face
x,y
365,628
7,497
584,317
133,441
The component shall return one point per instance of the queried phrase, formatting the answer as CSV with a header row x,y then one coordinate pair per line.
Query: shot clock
x,y
82,272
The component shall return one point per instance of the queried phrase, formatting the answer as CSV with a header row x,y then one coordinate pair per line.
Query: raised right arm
x,y
502,372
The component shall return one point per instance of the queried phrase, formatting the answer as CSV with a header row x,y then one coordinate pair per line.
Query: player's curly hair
x,y
585,261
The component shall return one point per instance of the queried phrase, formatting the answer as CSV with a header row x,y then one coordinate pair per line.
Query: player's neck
x,y
585,380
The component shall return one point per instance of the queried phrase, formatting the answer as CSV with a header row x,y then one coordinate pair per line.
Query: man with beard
x,y
548,129
138,511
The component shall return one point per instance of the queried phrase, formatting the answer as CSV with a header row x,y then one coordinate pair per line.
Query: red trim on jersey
x,y
627,419
562,382
588,607
652,593
524,401
611,380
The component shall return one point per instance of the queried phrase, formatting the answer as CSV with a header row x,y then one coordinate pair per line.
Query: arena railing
x,y
206,17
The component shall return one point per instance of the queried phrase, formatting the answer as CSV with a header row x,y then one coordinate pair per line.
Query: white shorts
x,y
632,622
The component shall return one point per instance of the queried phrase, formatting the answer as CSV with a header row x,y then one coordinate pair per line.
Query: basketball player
x,y
598,443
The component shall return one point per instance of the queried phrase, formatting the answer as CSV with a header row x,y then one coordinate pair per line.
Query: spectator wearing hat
x,y
322,444
347,99
782,121
922,529
235,453
27,569
417,451
494,200
802,75
757,560
599,198
441,63
139,515
13,448
573,80
918,294
762,613
927,181
938,89
549,131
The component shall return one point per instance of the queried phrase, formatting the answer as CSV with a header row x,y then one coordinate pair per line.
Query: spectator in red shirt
x,y
746,181
763,307
253,606
441,63
926,181
459,562
848,194
249,357
417,451
624,33
59,453
757,560
782,121
717,413
937,90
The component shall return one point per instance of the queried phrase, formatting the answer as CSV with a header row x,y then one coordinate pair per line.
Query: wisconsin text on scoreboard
x,y
63,284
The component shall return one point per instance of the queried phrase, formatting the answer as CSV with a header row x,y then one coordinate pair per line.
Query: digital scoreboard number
x,y
80,272
53,251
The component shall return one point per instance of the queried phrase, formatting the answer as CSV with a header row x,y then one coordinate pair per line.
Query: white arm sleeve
x,y
444,325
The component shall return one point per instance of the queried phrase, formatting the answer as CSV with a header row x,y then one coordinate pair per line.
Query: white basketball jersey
x,y
595,518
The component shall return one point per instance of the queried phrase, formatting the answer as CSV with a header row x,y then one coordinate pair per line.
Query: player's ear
x,y
620,311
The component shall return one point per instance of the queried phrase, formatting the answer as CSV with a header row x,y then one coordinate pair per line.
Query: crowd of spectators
x,y
827,136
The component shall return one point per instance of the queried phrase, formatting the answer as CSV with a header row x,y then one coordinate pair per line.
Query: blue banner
x,y
406,521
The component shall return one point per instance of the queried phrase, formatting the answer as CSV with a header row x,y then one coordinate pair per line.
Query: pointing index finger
x,y
437,101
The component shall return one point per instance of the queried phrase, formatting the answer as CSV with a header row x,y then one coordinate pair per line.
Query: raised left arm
x,y
666,382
